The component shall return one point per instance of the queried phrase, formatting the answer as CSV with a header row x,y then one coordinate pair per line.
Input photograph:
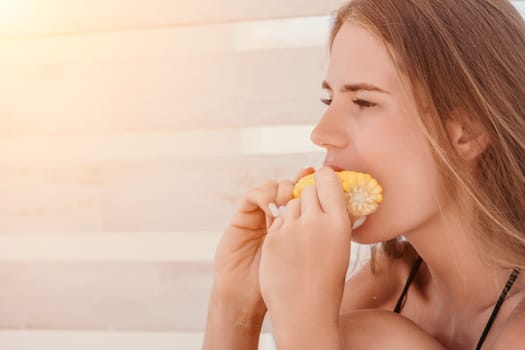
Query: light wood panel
x,y
193,246
84,147
168,42
109,340
105,296
127,247
158,297
130,296
151,195
129,132
274,87
67,17
41,17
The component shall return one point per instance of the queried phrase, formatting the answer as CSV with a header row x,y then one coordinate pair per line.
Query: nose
x,y
329,132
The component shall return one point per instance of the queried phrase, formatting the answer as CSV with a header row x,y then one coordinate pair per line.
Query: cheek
x,y
402,162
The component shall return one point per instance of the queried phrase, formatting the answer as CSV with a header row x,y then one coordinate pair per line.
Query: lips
x,y
333,166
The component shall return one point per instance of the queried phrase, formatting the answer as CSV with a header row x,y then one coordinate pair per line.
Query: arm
x,y
232,327
236,309
380,329
364,329
303,266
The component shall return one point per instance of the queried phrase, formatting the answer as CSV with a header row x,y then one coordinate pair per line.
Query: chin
x,y
371,231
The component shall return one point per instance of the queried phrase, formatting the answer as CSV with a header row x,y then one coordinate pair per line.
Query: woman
x,y
429,98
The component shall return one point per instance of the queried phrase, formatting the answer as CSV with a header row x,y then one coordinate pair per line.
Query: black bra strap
x,y
403,296
501,299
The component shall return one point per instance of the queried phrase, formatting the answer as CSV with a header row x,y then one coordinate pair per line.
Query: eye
x,y
326,97
326,101
363,103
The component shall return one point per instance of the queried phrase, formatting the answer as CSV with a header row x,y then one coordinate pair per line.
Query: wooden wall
x,y
129,129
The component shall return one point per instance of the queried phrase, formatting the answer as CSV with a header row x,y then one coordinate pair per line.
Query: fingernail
x,y
358,222
282,210
274,210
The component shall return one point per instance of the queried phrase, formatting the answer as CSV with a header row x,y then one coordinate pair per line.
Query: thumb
x,y
330,191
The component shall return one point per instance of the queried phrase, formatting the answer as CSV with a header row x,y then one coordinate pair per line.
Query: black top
x,y
402,298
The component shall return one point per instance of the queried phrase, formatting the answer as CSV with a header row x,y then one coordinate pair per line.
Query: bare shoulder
x,y
512,336
378,289
360,330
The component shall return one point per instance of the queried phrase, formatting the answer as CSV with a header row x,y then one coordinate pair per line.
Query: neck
x,y
458,278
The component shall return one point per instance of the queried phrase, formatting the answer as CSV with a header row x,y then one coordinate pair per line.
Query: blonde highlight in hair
x,y
454,75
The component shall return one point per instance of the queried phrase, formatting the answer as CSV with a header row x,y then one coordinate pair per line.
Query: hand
x,y
305,255
238,254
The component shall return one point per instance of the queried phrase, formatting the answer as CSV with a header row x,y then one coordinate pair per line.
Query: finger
x,y
293,210
330,191
259,197
284,192
304,172
310,200
276,225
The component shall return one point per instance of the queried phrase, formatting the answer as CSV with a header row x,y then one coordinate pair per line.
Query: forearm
x,y
232,327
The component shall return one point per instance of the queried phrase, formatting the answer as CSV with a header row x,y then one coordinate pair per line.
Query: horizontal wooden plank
x,y
223,90
169,41
148,195
20,19
271,140
109,340
282,33
105,296
117,247
65,18
167,297
109,247
156,297
60,17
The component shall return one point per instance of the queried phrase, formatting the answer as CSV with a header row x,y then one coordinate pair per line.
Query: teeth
x,y
358,222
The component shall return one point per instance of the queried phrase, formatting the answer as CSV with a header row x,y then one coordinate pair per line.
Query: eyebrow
x,y
356,87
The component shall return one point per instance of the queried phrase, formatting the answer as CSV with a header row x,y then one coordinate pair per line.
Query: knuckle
x,y
270,184
286,182
293,202
258,196
266,187
303,172
286,186
284,192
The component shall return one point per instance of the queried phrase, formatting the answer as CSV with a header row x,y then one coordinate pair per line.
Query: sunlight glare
x,y
15,14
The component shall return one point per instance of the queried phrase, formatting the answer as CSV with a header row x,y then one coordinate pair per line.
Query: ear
x,y
468,136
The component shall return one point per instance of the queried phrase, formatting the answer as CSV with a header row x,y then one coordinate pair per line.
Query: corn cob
x,y
363,193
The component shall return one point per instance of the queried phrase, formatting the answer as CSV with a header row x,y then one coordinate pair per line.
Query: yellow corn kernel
x,y
362,191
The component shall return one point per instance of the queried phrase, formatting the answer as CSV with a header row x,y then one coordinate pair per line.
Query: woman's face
x,y
371,126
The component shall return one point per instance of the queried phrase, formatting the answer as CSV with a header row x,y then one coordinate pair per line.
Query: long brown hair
x,y
464,56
